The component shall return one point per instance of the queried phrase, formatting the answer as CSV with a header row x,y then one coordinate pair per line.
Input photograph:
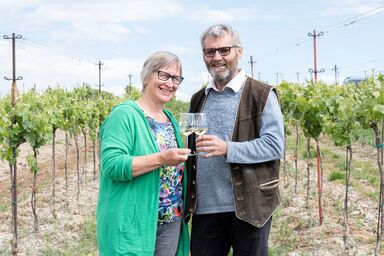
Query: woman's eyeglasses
x,y
164,76
223,51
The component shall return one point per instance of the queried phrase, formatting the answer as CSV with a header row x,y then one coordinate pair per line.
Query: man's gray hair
x,y
220,30
157,61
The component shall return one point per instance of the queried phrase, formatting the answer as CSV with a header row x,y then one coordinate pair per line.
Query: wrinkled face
x,y
222,68
159,90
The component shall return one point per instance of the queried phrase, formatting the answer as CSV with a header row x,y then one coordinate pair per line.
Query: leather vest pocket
x,y
269,187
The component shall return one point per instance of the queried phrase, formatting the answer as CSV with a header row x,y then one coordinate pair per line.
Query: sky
x,y
62,41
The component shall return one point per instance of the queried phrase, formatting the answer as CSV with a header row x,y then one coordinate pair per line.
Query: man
x,y
233,182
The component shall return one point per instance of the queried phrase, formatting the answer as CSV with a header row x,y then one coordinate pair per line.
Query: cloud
x,y
206,14
183,96
99,20
200,78
349,7
49,69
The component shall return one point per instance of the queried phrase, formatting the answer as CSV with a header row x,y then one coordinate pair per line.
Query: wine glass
x,y
193,123
186,123
200,124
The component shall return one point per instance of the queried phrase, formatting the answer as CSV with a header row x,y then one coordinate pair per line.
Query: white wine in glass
x,y
200,124
186,123
193,123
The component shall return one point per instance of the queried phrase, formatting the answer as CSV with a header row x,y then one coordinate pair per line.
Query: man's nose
x,y
217,55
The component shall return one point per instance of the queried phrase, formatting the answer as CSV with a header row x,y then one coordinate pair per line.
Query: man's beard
x,y
221,77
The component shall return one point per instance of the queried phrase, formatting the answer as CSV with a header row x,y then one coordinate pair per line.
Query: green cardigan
x,y
127,210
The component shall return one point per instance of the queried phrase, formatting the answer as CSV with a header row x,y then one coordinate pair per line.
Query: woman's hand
x,y
148,163
174,156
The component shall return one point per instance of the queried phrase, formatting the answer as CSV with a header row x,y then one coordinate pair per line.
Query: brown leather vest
x,y
256,186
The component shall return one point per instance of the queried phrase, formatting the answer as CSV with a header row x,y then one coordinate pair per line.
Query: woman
x,y
142,188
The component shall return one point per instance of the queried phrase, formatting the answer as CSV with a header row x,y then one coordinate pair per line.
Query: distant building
x,y
353,80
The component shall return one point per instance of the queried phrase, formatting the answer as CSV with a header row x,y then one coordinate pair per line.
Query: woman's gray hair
x,y
157,61
220,30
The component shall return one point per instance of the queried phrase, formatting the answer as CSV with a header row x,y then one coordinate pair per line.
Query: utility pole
x,y
277,78
314,70
130,77
373,73
297,77
130,83
259,75
251,62
100,64
13,166
14,79
319,184
365,74
335,69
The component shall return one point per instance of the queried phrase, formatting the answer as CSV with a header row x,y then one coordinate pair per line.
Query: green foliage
x,y
342,120
177,107
34,119
287,237
338,205
290,96
312,153
371,98
131,93
87,244
36,116
336,175
3,208
313,107
32,164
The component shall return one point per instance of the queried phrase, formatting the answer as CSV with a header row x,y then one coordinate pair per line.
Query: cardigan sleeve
x,y
116,141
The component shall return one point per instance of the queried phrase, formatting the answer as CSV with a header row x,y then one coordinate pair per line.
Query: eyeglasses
x,y
223,51
164,76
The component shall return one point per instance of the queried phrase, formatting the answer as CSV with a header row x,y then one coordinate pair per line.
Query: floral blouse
x,y
171,187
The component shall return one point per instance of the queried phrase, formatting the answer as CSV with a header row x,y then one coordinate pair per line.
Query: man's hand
x,y
211,145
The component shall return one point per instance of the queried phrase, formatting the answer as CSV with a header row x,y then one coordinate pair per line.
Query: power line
x,y
55,50
362,63
284,48
341,24
353,20
60,52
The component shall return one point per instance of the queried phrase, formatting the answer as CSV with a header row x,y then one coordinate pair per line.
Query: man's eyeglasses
x,y
164,76
223,51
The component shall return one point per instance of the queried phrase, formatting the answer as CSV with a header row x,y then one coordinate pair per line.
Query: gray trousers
x,y
167,238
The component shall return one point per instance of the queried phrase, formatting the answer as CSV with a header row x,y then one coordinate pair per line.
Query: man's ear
x,y
239,53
